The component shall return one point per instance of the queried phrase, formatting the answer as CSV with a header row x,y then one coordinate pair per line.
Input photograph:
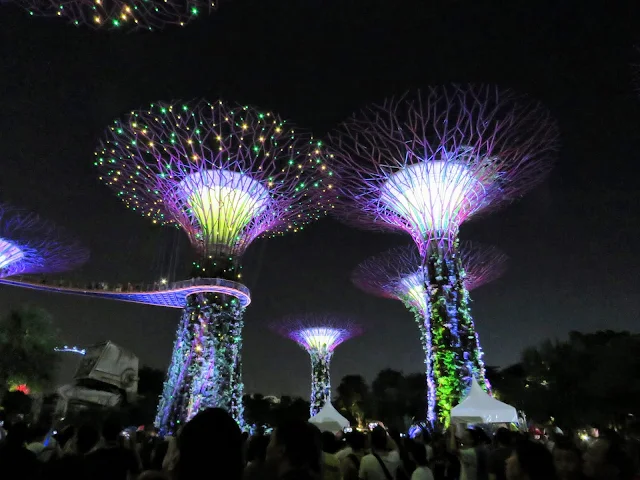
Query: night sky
x,y
572,241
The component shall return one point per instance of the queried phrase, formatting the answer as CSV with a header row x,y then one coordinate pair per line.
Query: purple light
x,y
397,273
9,253
225,173
434,196
173,297
320,338
427,162
30,245
223,203
319,335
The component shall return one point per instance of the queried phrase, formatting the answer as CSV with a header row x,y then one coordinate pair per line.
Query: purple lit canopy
x,y
398,274
30,245
424,163
225,173
317,331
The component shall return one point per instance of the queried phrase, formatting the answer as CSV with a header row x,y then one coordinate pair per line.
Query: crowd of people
x,y
212,445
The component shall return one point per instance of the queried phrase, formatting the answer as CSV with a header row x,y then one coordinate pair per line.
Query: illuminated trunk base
x,y
424,325
205,369
320,380
447,312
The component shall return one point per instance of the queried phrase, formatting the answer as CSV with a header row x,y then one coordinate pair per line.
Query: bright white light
x,y
412,286
433,195
223,203
320,338
66,349
9,253
163,281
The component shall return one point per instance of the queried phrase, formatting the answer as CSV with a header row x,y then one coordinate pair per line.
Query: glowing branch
x,y
225,173
425,163
30,245
398,273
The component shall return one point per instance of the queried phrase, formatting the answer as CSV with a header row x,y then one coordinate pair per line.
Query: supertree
x,y
121,14
426,163
31,245
319,335
398,274
225,174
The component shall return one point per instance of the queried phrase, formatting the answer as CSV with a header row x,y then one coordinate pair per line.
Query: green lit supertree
x,y
226,174
398,274
424,164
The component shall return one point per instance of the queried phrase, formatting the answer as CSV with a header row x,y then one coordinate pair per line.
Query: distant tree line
x,y
587,379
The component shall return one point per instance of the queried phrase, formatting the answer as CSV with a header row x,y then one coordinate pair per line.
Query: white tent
x,y
480,407
328,419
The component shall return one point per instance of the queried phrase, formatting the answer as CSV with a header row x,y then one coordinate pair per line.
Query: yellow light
x,y
223,203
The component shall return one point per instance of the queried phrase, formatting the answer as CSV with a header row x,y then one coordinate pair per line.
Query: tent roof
x,y
480,407
328,419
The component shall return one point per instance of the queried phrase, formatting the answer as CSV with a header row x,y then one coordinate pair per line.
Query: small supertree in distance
x,y
146,15
319,335
398,274
226,174
425,163
31,245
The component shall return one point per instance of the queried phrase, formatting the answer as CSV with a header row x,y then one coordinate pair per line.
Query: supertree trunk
x,y
445,289
173,403
320,380
471,343
237,397
426,339
205,365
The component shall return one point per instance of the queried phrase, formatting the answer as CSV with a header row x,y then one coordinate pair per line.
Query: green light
x,y
224,203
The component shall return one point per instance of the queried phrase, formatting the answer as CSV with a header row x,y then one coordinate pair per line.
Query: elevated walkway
x,y
171,295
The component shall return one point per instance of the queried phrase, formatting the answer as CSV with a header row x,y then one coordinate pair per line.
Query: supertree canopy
x,y
225,174
398,274
30,245
424,164
319,335
121,14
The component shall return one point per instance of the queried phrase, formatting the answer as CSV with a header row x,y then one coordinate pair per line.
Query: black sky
x,y
572,242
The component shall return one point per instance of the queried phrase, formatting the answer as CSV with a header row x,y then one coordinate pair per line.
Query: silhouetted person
x,y
350,461
530,461
72,466
212,442
117,459
15,460
606,459
256,458
498,457
294,451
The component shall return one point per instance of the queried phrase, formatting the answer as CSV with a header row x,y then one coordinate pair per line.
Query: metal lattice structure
x,y
319,335
398,274
226,174
31,245
146,15
425,163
